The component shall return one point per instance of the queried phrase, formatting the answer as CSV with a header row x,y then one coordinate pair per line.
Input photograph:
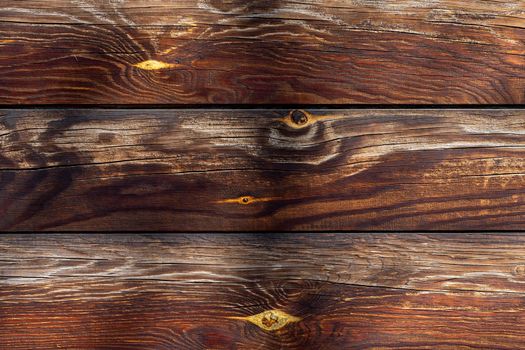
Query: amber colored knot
x,y
153,65
245,200
299,117
269,320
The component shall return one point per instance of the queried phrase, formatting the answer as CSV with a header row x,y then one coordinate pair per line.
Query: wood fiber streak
x,y
347,291
237,170
280,52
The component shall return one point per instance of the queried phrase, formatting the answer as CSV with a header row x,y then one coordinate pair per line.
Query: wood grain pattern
x,y
235,170
347,291
280,52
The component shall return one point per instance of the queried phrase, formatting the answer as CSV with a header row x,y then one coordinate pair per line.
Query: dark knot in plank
x,y
299,117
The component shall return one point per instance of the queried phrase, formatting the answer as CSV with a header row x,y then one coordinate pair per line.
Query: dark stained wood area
x,y
311,291
236,170
262,51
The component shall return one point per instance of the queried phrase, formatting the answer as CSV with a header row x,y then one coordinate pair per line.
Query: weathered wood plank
x,y
202,170
345,291
208,51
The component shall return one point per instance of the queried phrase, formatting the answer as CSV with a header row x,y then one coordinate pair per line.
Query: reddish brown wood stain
x,y
198,291
204,169
206,51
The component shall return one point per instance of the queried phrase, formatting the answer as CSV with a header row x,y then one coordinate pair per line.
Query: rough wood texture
x,y
205,170
210,51
333,291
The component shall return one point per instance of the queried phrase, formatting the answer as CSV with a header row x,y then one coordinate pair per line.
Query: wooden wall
x,y
262,51
262,291
262,170
262,174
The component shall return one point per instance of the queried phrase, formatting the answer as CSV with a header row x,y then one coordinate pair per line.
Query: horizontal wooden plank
x,y
235,170
200,291
281,52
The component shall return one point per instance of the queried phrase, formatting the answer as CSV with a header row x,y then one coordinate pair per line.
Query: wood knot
x,y
270,320
299,117
153,65
245,200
